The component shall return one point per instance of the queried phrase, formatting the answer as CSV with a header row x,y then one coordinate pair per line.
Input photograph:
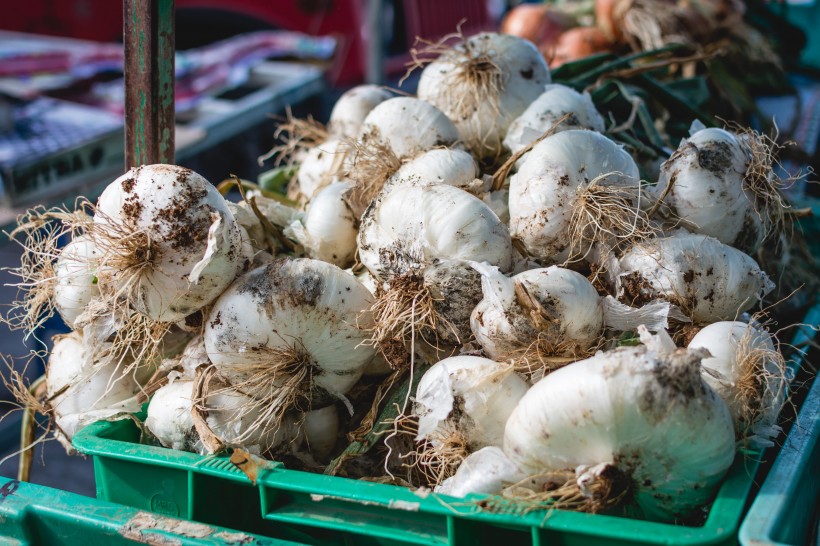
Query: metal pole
x,y
148,34
375,53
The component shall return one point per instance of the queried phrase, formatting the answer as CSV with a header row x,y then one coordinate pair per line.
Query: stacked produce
x,y
559,332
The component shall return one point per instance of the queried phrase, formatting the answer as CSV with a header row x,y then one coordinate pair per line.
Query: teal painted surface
x,y
40,516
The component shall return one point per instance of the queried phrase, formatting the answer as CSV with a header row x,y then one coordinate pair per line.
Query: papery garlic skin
x,y
551,176
486,471
647,413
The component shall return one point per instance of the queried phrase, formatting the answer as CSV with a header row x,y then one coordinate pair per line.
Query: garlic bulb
x,y
468,396
483,84
407,126
556,101
352,108
412,226
709,188
537,313
321,429
664,437
76,280
328,231
292,329
231,416
462,404
553,186
82,390
437,166
167,241
749,374
708,280
320,167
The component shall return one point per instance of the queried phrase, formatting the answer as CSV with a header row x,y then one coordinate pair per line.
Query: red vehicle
x,y
204,21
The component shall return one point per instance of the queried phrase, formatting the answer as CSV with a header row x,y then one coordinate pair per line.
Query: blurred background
x,y
241,63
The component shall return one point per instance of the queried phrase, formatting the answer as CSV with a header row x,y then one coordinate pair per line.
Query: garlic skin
x,y
647,413
169,419
549,180
328,231
82,391
352,108
307,307
483,115
408,126
570,311
75,271
708,191
437,166
747,372
417,225
195,243
470,394
486,471
708,280
556,101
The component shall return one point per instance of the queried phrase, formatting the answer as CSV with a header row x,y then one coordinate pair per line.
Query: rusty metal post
x,y
148,34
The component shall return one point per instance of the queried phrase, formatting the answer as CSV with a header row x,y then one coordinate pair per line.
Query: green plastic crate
x,y
330,511
40,516
786,511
